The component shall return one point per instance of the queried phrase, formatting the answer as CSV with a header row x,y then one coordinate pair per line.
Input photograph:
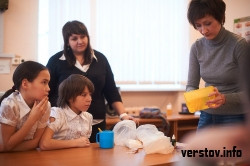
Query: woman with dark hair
x,y
25,109
79,58
217,58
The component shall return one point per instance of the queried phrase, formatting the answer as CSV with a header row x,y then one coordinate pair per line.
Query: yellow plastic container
x,y
196,99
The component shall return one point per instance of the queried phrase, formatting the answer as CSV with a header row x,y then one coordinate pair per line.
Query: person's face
x,y
39,87
208,26
81,102
78,43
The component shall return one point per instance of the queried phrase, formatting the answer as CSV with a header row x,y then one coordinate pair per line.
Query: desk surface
x,y
93,155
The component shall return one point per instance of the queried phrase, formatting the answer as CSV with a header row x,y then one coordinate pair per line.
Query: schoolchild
x,y
25,108
70,123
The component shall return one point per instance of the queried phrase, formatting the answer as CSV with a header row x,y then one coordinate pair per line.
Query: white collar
x,y
70,114
25,109
92,56
83,68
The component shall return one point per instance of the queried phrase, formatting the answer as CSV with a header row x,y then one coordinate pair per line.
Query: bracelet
x,y
122,115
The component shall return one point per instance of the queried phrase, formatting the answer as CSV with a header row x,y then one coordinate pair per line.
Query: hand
x,y
217,101
39,109
82,142
128,117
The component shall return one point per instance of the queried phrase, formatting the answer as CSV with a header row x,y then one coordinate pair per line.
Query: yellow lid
x,y
196,99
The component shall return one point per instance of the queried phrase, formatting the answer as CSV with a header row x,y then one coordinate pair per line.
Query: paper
x,y
242,27
4,66
196,99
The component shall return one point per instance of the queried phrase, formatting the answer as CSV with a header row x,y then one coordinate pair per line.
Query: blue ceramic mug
x,y
105,139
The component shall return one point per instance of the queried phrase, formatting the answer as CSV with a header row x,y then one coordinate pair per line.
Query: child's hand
x,y
82,142
39,109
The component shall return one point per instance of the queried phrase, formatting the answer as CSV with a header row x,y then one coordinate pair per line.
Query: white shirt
x,y
14,112
84,68
68,125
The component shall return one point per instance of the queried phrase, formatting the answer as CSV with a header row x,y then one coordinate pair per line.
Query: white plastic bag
x,y
153,140
133,144
124,131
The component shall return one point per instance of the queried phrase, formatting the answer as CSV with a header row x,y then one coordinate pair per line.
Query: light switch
x,y
16,61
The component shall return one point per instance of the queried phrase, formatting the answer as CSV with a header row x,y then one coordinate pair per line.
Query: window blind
x,y
145,41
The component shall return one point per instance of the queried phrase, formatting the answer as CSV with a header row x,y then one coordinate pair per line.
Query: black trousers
x,y
95,130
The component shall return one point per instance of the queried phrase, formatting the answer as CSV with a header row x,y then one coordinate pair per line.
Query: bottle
x,y
173,140
169,109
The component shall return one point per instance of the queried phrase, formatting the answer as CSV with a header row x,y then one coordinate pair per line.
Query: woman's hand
x,y
217,101
128,117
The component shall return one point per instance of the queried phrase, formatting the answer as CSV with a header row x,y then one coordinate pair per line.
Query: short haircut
x,y
200,8
72,87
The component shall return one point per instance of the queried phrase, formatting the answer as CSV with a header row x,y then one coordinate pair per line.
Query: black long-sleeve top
x,y
99,73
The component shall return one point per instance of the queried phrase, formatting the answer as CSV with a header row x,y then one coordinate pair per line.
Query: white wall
x,y
20,34
234,9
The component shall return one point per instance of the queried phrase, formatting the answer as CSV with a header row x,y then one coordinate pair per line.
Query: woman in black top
x,y
79,58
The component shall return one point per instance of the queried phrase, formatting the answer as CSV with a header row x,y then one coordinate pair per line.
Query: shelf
x,y
180,125
187,128
3,55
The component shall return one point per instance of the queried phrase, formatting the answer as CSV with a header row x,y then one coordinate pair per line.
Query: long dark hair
x,y
75,27
27,70
200,8
72,87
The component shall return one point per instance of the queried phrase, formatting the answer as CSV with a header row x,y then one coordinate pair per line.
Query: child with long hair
x,y
25,109
70,125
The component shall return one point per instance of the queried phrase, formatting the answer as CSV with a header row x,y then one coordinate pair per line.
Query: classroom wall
x,y
20,38
20,23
